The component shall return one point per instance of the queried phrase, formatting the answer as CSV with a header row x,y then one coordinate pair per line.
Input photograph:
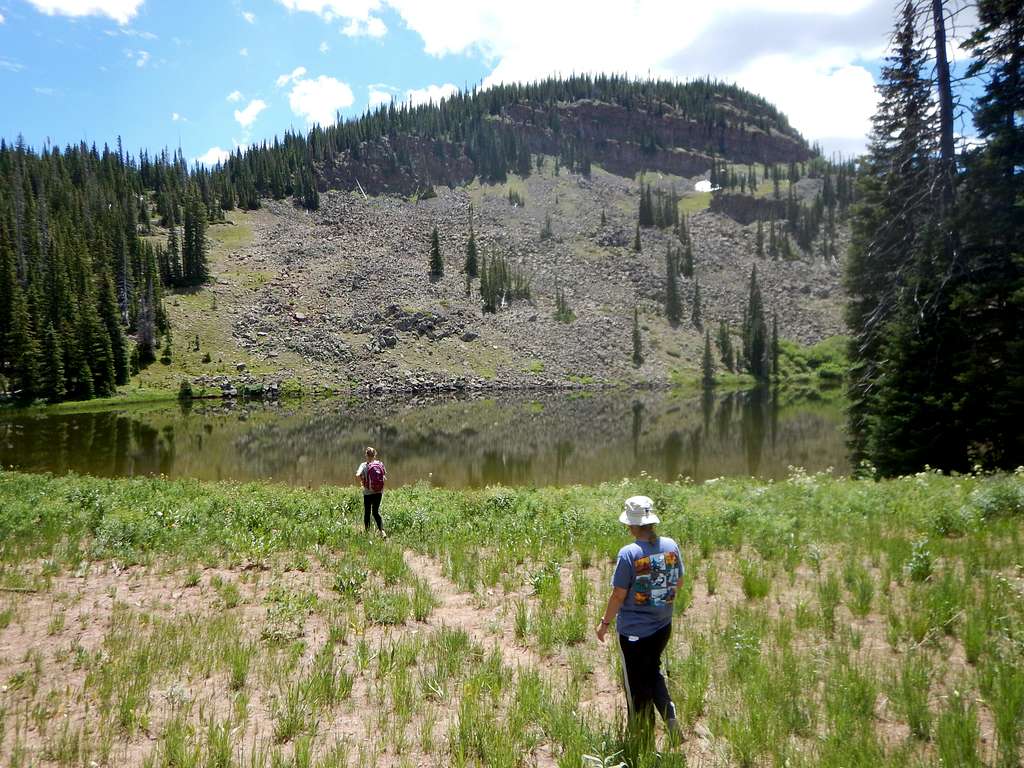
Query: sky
x,y
211,75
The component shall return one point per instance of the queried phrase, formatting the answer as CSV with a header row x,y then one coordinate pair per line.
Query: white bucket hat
x,y
638,510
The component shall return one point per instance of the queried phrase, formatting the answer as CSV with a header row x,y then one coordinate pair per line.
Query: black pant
x,y
641,667
371,503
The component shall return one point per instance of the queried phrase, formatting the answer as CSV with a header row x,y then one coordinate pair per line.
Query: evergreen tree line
x,y
77,281
936,270
79,276
469,122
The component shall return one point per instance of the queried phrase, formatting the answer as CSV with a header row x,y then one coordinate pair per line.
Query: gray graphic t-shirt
x,y
651,572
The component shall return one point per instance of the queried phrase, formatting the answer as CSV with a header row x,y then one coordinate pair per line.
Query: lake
x,y
540,439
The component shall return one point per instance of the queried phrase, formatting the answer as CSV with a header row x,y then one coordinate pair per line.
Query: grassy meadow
x,y
823,622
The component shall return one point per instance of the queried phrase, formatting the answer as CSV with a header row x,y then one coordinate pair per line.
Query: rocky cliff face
x,y
746,209
623,141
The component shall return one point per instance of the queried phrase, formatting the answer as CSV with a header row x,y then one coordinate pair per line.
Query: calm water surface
x,y
542,440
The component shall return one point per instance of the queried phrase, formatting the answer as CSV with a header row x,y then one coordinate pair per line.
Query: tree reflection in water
x,y
556,439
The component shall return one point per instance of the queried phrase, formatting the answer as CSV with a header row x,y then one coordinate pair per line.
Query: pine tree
x,y
775,345
604,219
725,349
673,305
175,275
646,214
563,312
487,293
892,231
707,363
545,231
638,356
755,332
193,247
22,350
759,239
686,266
436,262
165,355
990,295
51,384
696,313
636,241
470,267
686,263
8,285
112,325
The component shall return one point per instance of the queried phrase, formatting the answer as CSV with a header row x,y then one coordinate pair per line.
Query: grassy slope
x,y
825,622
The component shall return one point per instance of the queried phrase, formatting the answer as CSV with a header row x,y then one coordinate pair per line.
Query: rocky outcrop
x,y
616,132
623,141
403,166
745,209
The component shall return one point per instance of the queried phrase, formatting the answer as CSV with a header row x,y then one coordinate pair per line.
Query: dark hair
x,y
371,452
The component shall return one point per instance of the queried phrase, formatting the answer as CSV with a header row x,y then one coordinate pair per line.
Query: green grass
x,y
831,609
692,202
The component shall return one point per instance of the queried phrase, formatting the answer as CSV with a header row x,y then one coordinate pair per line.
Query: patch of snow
x,y
704,185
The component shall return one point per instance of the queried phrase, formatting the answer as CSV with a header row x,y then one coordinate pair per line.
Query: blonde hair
x,y
371,452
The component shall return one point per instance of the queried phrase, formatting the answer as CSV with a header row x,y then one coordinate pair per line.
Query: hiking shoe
x,y
383,535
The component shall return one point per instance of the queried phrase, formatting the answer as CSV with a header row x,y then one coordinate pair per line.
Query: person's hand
x,y
602,630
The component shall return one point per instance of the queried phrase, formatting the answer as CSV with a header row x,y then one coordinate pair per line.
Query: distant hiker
x,y
644,586
372,474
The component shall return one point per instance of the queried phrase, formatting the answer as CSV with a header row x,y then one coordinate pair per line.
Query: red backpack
x,y
375,476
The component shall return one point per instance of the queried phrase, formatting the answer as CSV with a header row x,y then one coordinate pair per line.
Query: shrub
x,y
919,566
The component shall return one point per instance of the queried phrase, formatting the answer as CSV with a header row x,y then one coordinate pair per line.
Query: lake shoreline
x,y
467,439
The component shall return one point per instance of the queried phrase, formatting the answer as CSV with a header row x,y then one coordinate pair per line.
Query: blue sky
x,y
209,76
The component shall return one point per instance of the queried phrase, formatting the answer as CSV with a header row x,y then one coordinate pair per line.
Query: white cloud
x,y
249,16
283,80
213,156
129,32
381,94
120,11
177,118
357,14
430,94
44,91
329,10
371,27
245,117
317,100
825,100
324,47
243,52
2,19
235,96
10,66
814,47
141,58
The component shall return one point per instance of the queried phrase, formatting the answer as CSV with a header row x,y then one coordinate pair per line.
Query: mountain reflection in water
x,y
551,439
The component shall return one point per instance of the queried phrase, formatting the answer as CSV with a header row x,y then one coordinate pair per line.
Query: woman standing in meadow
x,y
644,585
372,473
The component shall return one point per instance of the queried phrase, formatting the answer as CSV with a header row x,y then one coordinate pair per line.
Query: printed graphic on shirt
x,y
657,577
